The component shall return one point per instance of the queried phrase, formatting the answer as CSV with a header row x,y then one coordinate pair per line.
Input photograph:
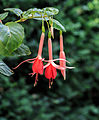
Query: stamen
x,y
52,82
49,83
36,79
31,74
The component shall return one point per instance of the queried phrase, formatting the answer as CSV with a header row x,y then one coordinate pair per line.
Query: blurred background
x,y
76,98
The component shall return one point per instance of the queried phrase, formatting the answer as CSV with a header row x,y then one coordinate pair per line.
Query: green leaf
x,y
39,17
50,11
57,25
11,37
26,15
3,50
39,14
31,13
35,10
22,51
34,13
3,15
4,69
16,11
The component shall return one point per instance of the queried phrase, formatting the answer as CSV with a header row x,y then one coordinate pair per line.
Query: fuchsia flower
x,y
50,71
37,62
52,31
62,56
51,66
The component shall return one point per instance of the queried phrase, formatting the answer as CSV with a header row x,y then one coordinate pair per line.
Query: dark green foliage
x,y
11,37
77,98
4,69
3,15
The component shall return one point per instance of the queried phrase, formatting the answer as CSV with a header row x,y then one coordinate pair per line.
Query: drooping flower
x,y
50,71
50,67
62,56
37,63
37,68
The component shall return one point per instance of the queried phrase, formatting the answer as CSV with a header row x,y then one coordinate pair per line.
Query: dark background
x,y
76,98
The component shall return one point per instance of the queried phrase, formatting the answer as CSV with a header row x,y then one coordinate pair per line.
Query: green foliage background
x,y
77,98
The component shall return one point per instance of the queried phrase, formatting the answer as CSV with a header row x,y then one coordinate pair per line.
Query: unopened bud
x,y
43,29
52,31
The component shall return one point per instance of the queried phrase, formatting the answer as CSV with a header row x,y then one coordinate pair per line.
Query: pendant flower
x,y
62,56
51,67
50,71
37,68
37,63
